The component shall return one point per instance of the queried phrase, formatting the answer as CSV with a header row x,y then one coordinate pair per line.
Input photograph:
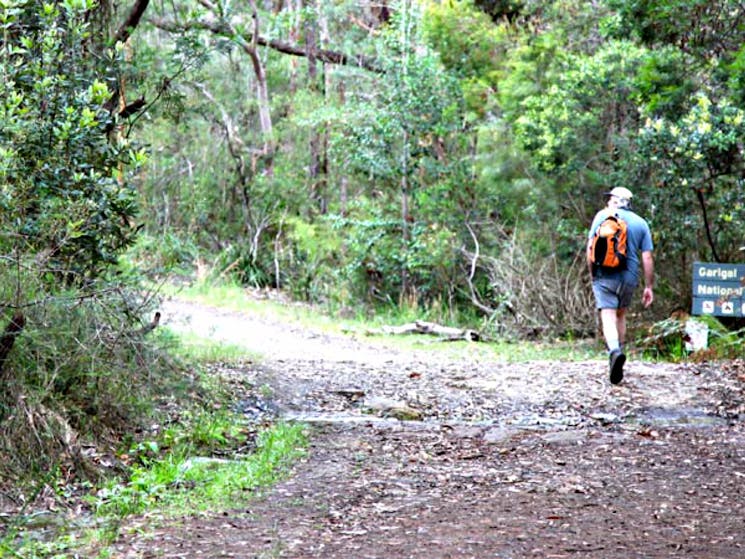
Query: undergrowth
x,y
189,477
672,340
212,461
104,416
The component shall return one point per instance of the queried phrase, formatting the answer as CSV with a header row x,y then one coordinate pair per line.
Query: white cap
x,y
621,192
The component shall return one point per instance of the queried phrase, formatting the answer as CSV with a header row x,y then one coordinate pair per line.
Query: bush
x,y
81,370
554,299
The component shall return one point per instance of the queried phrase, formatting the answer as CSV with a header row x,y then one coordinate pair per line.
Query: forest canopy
x,y
444,156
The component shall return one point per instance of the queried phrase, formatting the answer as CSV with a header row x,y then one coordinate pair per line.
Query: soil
x,y
456,454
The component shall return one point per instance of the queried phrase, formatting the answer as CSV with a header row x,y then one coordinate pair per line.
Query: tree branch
x,y
324,55
474,259
132,21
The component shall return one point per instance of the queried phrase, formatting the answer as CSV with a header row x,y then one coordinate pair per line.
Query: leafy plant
x,y
67,202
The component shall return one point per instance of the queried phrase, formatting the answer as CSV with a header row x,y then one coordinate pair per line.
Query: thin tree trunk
x,y
262,93
326,81
296,7
344,180
405,217
311,44
707,227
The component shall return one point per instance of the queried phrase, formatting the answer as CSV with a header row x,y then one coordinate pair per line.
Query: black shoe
x,y
617,359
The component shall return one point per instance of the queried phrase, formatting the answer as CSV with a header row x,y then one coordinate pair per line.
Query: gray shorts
x,y
612,293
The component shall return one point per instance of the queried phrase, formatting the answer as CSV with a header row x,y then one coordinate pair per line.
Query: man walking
x,y
614,287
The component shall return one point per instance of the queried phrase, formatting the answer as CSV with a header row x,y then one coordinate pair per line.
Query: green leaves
x,y
582,119
699,158
64,179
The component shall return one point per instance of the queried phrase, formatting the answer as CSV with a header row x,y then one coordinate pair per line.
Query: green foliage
x,y
577,124
735,71
697,161
470,46
76,370
702,27
669,339
664,83
310,262
182,480
166,254
65,197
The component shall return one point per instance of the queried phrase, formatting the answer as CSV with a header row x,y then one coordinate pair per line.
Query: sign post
x,y
718,289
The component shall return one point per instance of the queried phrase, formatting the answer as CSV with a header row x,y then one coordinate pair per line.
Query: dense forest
x,y
444,157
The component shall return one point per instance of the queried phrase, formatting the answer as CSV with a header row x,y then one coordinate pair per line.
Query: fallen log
x,y
432,329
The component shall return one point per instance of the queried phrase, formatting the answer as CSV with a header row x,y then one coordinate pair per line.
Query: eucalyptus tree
x,y
369,115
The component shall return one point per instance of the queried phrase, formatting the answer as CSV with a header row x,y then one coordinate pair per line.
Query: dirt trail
x,y
539,459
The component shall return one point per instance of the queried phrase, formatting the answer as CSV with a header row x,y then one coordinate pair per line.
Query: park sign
x,y
718,289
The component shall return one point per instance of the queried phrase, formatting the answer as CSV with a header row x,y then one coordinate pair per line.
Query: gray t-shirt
x,y
638,240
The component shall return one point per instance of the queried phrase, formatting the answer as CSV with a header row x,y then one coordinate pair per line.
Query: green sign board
x,y
718,289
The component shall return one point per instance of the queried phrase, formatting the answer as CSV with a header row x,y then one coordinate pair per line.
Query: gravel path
x,y
434,455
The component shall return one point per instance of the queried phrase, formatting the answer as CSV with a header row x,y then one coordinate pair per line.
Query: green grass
x,y
236,298
198,350
195,466
184,482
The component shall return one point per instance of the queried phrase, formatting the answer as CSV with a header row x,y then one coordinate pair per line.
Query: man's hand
x,y
647,297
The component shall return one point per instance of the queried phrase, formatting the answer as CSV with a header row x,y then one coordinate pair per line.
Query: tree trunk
x,y
8,339
262,94
317,193
405,217
707,227
296,8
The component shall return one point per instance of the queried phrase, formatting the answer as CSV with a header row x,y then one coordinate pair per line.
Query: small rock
x,y
392,408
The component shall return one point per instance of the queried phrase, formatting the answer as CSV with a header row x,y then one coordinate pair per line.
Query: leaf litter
x,y
416,455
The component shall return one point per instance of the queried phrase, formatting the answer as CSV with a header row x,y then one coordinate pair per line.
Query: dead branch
x,y
430,328
486,309
149,327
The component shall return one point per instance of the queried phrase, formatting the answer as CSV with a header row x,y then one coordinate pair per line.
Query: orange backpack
x,y
608,246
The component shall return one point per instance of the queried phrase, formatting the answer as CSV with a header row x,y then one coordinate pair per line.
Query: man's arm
x,y
590,234
648,266
588,255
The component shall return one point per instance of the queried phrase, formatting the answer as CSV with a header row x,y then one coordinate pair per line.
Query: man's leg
x,y
610,323
613,297
621,326
614,331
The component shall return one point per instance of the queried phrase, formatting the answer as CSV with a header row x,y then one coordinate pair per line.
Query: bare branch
x,y
474,259
218,28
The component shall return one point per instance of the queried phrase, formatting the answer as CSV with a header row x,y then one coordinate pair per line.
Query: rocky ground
x,y
452,454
